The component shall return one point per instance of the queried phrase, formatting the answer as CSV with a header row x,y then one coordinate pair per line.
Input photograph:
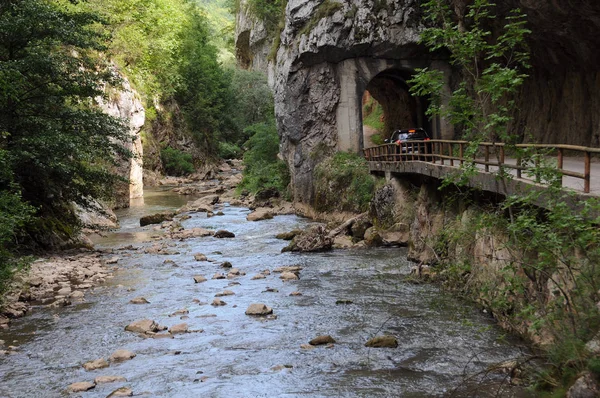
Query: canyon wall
x,y
329,52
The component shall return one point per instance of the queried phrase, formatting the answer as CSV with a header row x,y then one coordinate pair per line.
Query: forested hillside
x,y
57,57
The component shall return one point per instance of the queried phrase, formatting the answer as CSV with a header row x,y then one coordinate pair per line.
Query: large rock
x,y
321,340
121,356
260,214
109,379
96,364
81,386
314,239
586,386
259,309
224,234
386,341
156,218
143,326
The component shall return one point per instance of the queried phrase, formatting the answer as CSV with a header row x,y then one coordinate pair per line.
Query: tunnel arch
x,y
389,79
390,90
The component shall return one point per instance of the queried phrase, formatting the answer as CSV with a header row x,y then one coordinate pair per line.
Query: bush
x,y
176,163
343,183
228,150
263,168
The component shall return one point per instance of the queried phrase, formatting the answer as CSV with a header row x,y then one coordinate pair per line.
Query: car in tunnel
x,y
408,140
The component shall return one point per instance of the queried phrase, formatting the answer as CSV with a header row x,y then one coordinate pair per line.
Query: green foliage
x,y
493,66
58,147
251,103
229,151
165,48
372,114
271,12
343,183
263,169
176,163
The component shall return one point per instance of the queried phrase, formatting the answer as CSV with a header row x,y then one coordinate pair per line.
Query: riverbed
x,y
445,345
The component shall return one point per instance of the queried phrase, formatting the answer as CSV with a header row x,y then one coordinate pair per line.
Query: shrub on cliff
x,y
343,183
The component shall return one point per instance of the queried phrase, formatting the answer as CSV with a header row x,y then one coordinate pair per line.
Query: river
x,y
443,342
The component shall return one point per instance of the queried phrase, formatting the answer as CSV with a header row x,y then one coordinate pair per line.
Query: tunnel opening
x,y
387,105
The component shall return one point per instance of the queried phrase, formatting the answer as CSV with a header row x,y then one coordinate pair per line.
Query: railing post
x,y
538,176
559,164
451,153
462,154
519,162
442,153
586,186
487,158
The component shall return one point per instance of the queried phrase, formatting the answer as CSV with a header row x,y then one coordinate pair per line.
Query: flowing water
x,y
443,342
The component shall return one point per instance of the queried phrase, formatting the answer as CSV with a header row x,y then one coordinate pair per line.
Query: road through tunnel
x,y
388,105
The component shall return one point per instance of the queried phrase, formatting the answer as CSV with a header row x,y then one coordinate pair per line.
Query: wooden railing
x,y
521,158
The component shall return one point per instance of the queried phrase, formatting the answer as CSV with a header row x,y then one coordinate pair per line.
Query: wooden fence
x,y
528,158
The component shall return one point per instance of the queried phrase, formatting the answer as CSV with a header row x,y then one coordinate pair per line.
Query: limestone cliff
x,y
330,52
124,103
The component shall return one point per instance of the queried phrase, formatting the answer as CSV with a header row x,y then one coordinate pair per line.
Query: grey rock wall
x,y
123,102
328,56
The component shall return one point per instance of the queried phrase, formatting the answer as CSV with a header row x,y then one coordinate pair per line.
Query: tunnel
x,y
388,105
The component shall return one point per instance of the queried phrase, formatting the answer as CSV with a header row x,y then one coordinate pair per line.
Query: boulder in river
x,y
121,356
259,309
322,340
218,302
260,214
219,275
156,218
179,328
386,341
121,392
289,276
225,293
97,364
109,379
224,234
143,326
200,257
81,386
139,300
288,235
314,239
199,279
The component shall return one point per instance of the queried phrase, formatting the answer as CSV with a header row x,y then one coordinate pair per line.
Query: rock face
x,y
124,103
331,52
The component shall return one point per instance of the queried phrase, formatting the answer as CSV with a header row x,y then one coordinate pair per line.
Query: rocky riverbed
x,y
179,309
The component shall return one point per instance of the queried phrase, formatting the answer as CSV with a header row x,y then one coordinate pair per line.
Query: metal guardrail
x,y
489,154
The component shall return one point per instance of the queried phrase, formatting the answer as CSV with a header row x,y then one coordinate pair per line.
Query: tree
x,y
60,147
